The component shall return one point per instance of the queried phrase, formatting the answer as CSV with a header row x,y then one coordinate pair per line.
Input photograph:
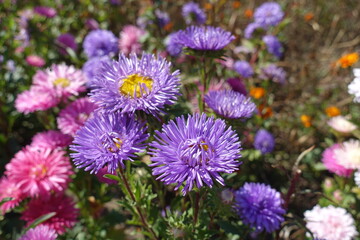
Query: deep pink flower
x,y
41,232
100,175
9,189
35,61
65,41
75,115
51,139
129,39
38,172
45,11
63,206
331,162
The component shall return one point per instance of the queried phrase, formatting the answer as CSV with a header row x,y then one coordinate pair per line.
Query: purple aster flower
x,y
41,232
273,45
259,206
237,85
45,11
194,151
243,68
204,38
99,43
135,84
250,29
108,140
172,47
92,67
66,40
192,13
230,104
268,14
264,141
92,24
162,18
274,73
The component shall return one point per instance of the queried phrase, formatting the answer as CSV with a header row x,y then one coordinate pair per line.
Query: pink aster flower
x,y
348,154
36,99
9,189
100,175
35,61
41,232
332,163
51,139
129,39
75,115
63,206
330,223
64,80
38,172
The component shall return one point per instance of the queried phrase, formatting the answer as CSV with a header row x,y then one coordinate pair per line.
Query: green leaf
x,y
112,177
41,219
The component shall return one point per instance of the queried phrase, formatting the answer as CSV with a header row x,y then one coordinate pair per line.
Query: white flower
x,y
348,154
341,124
354,86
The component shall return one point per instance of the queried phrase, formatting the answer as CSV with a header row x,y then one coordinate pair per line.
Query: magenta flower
x,y
331,162
35,61
45,11
41,232
51,139
129,41
65,41
8,189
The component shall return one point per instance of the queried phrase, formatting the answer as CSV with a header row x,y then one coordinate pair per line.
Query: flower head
x,y
40,171
341,124
51,139
348,60
243,68
99,43
230,104
192,13
100,175
162,18
35,61
41,232
348,154
45,11
273,45
264,141
194,151
331,223
357,178
9,189
65,41
251,28
108,140
354,86
204,38
306,120
259,206
135,84
274,73
172,47
92,67
237,85
332,111
129,41
331,162
268,14
63,206
257,92
75,115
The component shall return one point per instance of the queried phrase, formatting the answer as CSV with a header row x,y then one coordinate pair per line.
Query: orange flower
x,y
348,60
168,26
236,4
257,92
332,111
309,16
306,120
249,13
208,6
265,112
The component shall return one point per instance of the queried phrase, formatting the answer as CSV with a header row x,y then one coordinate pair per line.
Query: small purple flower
x,y
66,40
192,13
237,85
243,68
250,29
92,24
230,104
264,141
92,67
274,73
45,11
162,18
100,43
135,84
204,38
173,48
268,14
108,140
194,151
259,206
41,232
273,45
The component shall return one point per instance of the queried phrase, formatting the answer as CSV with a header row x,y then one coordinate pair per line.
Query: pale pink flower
x,y
35,61
38,172
129,40
226,62
341,124
75,115
330,223
51,139
36,99
9,189
41,232
332,163
63,206
348,154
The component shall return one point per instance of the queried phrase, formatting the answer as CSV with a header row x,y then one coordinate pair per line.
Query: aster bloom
x,y
92,24
129,41
9,189
274,73
51,139
135,84
92,67
268,14
230,104
65,41
40,171
63,206
264,141
341,124
194,151
331,162
348,154
354,86
45,11
251,28
64,80
243,68
162,18
204,38
192,13
100,43
172,47
41,232
35,61
357,178
259,206
36,99
237,85
75,115
330,223
273,45
108,140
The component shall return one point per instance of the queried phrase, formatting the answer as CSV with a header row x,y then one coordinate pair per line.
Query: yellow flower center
x,y
63,82
39,171
134,85
118,143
